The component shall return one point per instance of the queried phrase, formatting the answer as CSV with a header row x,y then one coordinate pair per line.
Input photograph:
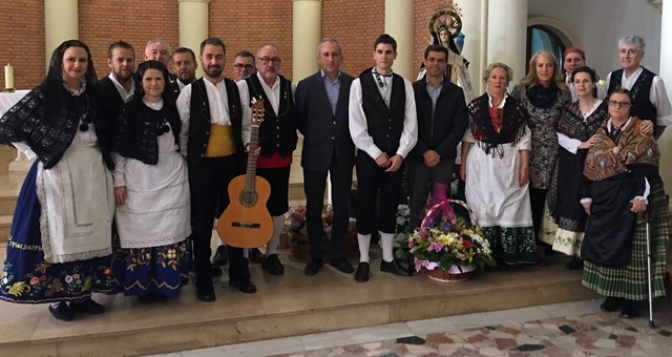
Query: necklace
x,y
381,84
84,113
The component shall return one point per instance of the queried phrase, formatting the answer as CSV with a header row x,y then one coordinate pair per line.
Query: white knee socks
x,y
387,245
278,225
364,241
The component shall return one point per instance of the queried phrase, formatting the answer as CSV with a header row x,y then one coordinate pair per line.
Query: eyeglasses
x,y
265,60
241,66
615,103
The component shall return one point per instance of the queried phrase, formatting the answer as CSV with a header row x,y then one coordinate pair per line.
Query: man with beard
x,y
243,67
118,87
184,66
214,137
277,140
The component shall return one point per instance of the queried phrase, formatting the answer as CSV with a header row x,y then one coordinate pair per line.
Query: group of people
x,y
162,147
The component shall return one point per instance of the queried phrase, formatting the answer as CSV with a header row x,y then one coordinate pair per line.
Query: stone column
x,y
474,28
665,72
61,23
193,24
306,35
507,35
400,24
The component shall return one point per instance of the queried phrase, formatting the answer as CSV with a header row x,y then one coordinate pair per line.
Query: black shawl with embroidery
x,y
480,123
47,119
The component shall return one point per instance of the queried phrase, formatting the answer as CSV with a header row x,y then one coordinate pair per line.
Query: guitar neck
x,y
252,161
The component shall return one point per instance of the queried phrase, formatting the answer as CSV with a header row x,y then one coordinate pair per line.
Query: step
x,y
5,226
289,305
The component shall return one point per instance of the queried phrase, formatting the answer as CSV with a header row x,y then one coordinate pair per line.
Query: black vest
x,y
199,121
276,133
642,107
384,124
138,127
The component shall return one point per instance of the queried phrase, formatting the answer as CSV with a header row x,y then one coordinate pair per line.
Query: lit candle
x,y
9,76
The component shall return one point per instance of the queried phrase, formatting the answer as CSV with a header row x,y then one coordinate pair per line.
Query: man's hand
x,y
586,207
120,195
638,205
646,127
432,158
256,152
395,163
383,160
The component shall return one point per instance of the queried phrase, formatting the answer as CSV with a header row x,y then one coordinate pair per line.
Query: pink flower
x,y
75,276
467,244
435,247
34,280
68,279
422,233
421,263
410,243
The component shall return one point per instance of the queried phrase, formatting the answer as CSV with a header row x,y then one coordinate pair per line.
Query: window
x,y
542,38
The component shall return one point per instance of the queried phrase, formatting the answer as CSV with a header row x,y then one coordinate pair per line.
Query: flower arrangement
x,y
446,241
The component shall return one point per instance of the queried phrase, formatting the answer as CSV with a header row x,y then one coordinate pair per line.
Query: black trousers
x,y
314,185
537,204
278,178
208,183
421,179
370,179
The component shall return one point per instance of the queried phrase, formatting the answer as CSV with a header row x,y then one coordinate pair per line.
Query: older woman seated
x,y
624,191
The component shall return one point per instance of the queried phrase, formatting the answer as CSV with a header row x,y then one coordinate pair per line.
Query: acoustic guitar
x,y
246,222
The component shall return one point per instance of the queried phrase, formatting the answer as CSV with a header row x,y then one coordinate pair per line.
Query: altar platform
x,y
288,305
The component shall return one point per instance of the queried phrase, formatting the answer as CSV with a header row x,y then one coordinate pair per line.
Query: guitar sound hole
x,y
248,199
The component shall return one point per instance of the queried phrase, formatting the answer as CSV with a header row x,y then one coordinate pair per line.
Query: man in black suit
x,y
322,117
118,87
442,120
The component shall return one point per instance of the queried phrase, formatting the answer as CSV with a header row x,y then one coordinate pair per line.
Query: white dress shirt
x,y
219,111
358,127
126,96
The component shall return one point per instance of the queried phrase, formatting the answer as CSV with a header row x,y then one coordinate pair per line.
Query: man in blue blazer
x,y
322,107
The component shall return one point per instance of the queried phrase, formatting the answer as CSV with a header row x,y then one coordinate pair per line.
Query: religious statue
x,y
445,28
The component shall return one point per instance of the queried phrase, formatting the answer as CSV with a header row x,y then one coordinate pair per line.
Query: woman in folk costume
x,y
566,219
495,154
543,94
151,189
625,190
60,245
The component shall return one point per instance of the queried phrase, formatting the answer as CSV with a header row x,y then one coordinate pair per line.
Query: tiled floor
x,y
570,329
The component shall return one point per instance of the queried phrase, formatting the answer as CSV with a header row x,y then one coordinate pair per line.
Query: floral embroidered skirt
x,y
163,270
27,278
512,245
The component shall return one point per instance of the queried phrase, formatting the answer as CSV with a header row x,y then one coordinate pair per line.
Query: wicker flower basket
x,y
453,275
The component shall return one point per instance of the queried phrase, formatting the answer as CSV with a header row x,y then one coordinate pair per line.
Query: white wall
x,y
600,23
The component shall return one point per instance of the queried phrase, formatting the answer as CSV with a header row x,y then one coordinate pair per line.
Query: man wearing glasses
x,y
277,139
648,90
243,65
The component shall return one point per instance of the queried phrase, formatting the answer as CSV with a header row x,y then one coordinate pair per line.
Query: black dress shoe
x,y
215,271
342,265
362,274
312,267
246,287
221,257
255,256
62,312
87,306
394,267
627,309
575,264
542,262
204,289
611,304
272,265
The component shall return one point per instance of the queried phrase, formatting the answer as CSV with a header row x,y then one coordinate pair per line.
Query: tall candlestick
x,y
9,78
